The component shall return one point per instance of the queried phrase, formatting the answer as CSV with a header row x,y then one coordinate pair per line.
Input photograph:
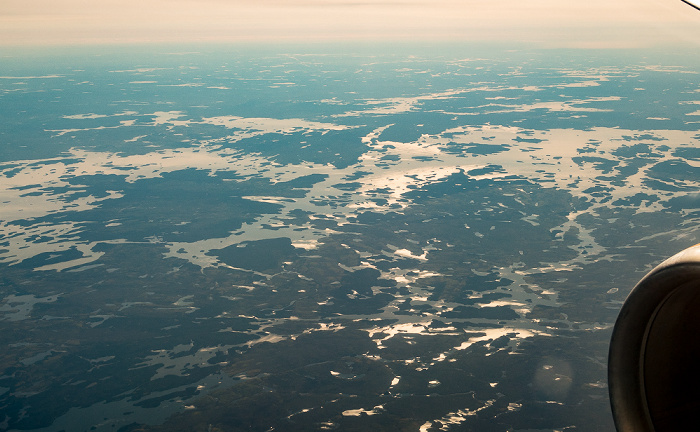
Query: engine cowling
x,y
654,358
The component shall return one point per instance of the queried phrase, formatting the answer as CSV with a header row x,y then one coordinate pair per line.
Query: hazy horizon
x,y
595,24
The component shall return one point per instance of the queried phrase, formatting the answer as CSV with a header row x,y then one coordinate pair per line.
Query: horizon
x,y
542,23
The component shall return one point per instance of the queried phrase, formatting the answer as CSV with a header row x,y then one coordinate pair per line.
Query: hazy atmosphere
x,y
595,23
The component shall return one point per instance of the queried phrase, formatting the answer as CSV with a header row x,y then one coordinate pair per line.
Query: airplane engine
x,y
654,358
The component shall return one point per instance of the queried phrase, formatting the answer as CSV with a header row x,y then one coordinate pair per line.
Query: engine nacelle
x,y
654,359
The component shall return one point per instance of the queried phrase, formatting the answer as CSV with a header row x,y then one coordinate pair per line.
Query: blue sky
x,y
590,23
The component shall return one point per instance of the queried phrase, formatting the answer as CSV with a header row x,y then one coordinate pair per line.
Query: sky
x,y
550,23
